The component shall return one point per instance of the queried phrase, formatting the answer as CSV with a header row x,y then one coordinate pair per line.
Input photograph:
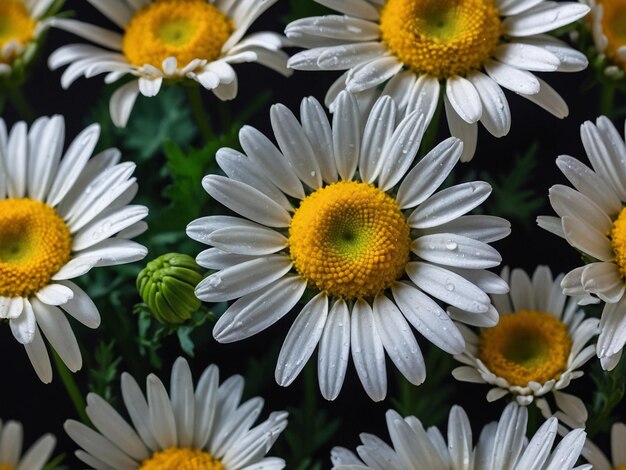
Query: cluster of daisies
x,y
337,214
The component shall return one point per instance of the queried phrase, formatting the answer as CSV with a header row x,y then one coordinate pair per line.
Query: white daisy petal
x,y
464,98
527,57
319,134
54,294
467,133
38,356
357,8
449,249
548,99
122,102
346,135
547,16
587,239
372,73
511,78
378,130
24,327
496,115
334,351
424,97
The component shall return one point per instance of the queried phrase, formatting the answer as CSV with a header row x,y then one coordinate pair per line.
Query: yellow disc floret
x,y
443,38
618,240
34,244
16,26
184,29
349,239
6,466
181,459
613,25
526,346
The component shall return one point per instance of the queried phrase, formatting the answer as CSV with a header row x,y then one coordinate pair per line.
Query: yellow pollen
x,y
34,244
349,239
184,29
15,25
618,240
613,25
442,38
6,466
181,459
526,346
620,467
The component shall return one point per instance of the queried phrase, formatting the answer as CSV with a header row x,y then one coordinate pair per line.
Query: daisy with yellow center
x,y
169,40
592,219
596,457
21,22
57,217
502,445
337,209
536,348
473,47
608,28
11,441
202,429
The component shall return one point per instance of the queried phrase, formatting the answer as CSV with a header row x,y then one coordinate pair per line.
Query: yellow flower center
x,y
34,244
620,467
349,239
613,26
181,459
6,466
15,25
443,38
185,29
526,346
618,240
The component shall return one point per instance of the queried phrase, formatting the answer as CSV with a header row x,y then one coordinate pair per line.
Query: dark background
x,y
43,408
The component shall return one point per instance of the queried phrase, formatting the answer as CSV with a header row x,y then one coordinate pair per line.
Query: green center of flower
x,y
181,459
443,38
184,29
618,240
526,346
349,239
34,244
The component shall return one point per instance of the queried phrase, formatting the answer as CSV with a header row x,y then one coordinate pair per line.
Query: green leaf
x,y
103,377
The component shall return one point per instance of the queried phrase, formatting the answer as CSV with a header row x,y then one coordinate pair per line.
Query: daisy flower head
x,y
536,347
340,211
206,428
21,23
591,218
502,446
169,40
11,441
60,216
618,452
607,21
473,47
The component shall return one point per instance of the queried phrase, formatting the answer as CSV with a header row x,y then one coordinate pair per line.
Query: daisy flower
x,y
22,23
168,40
473,47
11,440
207,429
339,211
607,26
592,219
502,446
536,347
618,453
57,219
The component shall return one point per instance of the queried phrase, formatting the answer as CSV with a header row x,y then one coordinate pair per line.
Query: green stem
x,y
71,387
606,100
199,114
18,101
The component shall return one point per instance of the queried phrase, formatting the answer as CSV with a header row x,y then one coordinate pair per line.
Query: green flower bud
x,y
167,286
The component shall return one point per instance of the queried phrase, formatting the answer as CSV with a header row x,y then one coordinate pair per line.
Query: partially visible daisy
x,y
618,451
204,429
501,446
535,349
473,47
11,441
340,211
592,219
608,22
59,217
21,23
169,40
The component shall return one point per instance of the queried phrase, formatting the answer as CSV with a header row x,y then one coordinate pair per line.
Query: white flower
x,y
536,348
338,210
501,446
475,47
607,30
22,23
58,218
11,441
618,451
592,220
168,39
207,429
